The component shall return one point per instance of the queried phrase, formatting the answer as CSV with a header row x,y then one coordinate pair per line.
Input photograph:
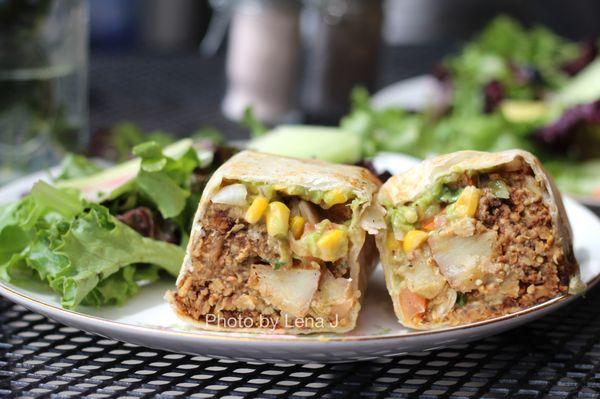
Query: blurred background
x,y
163,63
72,70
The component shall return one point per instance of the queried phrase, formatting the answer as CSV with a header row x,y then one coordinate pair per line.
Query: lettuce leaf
x,y
583,88
578,178
525,62
84,253
255,126
420,135
118,287
161,179
73,236
175,162
74,166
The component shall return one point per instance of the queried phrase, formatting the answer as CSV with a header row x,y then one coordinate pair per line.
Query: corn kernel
x,y
392,243
413,240
467,202
278,218
256,209
523,110
333,245
334,197
297,226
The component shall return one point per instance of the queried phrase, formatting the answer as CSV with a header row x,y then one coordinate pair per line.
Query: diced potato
x,y
278,218
291,290
334,197
467,202
462,260
413,240
256,209
297,226
334,296
423,278
333,245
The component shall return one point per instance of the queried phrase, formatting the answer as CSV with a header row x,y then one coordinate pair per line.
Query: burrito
x,y
278,245
474,235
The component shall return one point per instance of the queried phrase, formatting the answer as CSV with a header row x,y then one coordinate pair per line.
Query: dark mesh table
x,y
557,356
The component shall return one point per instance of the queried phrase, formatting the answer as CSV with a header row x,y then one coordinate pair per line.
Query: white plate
x,y
147,320
413,93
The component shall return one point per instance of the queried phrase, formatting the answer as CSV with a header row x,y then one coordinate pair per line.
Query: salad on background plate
x,y
510,87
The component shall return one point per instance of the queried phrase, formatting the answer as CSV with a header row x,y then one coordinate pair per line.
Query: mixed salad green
x,y
511,87
95,235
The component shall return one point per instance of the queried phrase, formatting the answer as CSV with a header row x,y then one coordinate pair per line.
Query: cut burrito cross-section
x,y
474,235
278,245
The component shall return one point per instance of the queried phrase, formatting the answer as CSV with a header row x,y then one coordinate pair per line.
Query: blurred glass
x,y
43,83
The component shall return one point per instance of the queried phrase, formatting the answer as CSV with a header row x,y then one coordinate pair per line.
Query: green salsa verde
x,y
404,218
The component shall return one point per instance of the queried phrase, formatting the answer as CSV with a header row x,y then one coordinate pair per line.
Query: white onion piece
x,y
308,213
373,219
233,194
445,303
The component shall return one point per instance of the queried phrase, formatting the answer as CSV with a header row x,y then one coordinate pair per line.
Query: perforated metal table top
x,y
557,356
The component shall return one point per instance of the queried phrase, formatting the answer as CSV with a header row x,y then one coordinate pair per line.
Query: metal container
x,y
342,40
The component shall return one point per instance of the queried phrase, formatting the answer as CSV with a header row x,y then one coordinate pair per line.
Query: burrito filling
x,y
478,245
270,255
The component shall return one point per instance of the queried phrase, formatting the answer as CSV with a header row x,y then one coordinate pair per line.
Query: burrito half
x,y
277,246
473,235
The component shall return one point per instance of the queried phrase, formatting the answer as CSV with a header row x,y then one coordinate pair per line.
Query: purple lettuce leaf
x,y
589,51
576,131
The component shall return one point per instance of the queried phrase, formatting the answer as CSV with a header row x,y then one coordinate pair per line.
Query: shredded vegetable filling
x,y
489,249
270,252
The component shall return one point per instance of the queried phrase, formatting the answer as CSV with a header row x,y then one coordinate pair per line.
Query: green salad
x,y
95,235
510,87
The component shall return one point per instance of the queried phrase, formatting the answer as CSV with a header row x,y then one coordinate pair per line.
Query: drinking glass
x,y
43,83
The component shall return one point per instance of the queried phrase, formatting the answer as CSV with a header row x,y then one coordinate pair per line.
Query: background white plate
x,y
413,93
147,320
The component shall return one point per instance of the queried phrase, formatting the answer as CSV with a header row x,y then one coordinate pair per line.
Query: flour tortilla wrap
x,y
470,267
263,279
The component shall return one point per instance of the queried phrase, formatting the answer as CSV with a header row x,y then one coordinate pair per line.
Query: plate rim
x,y
20,298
